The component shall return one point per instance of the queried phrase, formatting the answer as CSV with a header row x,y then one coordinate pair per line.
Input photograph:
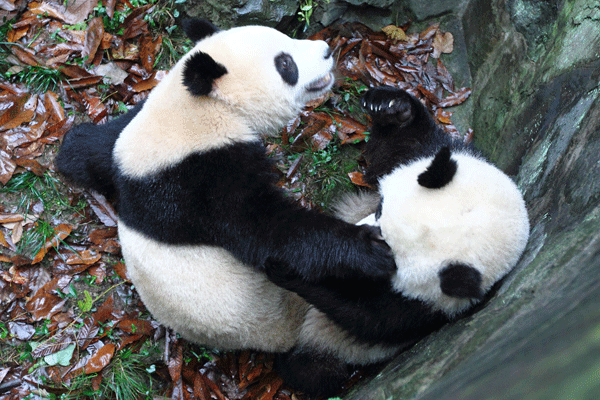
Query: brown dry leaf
x,y
86,257
17,233
7,218
99,236
100,359
16,33
201,390
31,165
137,326
121,270
442,43
149,83
148,50
96,110
395,33
456,98
102,208
43,304
11,107
429,32
93,38
26,55
60,233
3,242
76,11
99,272
443,116
53,106
7,167
358,178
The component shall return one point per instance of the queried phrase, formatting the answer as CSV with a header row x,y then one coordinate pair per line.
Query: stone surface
x,y
228,13
536,111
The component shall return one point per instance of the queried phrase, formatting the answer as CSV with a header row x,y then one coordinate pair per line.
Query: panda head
x,y
260,74
456,225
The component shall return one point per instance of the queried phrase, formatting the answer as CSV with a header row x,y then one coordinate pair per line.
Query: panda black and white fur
x,y
199,212
455,223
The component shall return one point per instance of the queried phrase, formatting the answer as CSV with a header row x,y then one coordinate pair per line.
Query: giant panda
x,y
455,223
198,209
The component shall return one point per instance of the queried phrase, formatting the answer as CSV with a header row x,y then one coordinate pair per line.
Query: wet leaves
x,y
68,307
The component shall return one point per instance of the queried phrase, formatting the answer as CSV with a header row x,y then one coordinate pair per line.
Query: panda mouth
x,y
320,84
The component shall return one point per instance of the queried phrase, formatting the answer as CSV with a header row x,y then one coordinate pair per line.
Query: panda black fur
x,y
455,223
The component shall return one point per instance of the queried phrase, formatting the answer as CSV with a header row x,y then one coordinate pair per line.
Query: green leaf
x,y
86,305
62,357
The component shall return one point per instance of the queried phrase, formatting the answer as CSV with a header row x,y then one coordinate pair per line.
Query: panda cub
x,y
455,223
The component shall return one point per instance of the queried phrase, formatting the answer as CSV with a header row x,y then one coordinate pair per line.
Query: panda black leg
x,y
314,373
461,280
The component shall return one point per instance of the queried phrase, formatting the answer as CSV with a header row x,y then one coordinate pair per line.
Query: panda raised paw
x,y
389,105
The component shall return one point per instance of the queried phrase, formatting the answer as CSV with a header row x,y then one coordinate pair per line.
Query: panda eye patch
x,y
287,68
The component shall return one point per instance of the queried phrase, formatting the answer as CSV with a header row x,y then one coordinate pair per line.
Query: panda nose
x,y
328,52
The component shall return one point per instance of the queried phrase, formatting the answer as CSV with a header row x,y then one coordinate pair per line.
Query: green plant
x,y
307,7
42,195
47,189
38,79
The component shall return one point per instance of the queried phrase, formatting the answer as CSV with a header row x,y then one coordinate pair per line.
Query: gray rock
x,y
536,111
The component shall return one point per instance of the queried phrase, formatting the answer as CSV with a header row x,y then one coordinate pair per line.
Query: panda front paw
x,y
389,105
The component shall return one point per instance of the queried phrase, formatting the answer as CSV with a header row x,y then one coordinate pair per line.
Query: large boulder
x,y
536,110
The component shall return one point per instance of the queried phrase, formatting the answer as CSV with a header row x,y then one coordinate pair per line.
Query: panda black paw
x,y
389,105
372,234
462,281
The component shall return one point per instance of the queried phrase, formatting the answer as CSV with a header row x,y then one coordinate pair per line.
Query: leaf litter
x,y
67,310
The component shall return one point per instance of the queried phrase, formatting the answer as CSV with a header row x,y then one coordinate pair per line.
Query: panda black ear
x,y
440,172
199,73
197,29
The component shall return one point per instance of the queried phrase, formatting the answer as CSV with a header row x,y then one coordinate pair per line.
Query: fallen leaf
x,y
442,43
100,359
60,233
395,33
86,257
7,167
4,243
11,217
31,165
148,50
93,38
17,233
62,357
358,179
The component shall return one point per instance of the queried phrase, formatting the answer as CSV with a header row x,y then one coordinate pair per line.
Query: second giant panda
x,y
455,223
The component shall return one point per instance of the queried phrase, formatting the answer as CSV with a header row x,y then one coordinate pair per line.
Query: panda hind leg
x,y
315,373
462,281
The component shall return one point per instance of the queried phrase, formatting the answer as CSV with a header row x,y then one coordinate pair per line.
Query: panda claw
x,y
392,102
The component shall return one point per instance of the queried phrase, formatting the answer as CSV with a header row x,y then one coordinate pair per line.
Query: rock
x,y
228,13
536,111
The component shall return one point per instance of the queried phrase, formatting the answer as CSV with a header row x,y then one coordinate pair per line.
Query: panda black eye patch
x,y
287,68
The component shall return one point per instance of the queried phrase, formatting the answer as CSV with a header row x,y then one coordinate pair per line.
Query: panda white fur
x,y
199,213
455,223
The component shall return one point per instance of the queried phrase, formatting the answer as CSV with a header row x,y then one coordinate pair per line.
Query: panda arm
x,y
368,309
402,129
85,156
227,197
